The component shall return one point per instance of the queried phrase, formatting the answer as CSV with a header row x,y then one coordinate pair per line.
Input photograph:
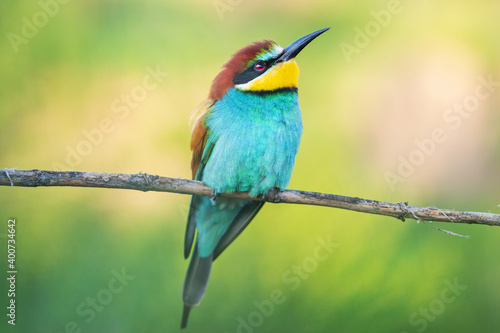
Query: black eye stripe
x,y
251,73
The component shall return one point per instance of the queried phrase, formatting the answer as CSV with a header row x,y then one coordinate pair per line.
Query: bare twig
x,y
146,182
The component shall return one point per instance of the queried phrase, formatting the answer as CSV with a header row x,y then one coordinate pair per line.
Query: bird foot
x,y
273,195
213,196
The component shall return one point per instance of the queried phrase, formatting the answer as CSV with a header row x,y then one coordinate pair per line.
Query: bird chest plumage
x,y
257,137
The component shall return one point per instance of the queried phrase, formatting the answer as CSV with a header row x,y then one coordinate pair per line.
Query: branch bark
x,y
146,182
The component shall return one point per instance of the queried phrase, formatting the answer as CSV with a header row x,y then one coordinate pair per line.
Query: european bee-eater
x,y
244,138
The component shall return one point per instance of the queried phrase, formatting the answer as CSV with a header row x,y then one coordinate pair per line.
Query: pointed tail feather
x,y
195,283
185,315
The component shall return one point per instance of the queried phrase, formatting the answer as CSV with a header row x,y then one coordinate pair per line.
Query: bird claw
x,y
213,196
273,195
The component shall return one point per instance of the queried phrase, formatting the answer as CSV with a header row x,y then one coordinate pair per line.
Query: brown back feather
x,y
199,134
198,139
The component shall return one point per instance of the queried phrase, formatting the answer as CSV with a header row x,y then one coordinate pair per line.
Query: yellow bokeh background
x,y
373,90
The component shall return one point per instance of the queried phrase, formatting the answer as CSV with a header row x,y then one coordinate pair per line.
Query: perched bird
x,y
244,138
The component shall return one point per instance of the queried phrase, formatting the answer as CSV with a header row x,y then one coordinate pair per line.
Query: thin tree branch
x,y
146,182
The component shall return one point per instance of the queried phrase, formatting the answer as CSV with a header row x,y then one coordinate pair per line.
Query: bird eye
x,y
260,66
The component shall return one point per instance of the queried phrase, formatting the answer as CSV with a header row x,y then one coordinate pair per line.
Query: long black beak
x,y
293,49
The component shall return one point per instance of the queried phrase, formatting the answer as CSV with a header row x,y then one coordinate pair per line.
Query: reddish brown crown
x,y
237,64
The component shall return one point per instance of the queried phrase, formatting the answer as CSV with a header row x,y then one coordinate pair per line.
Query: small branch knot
x,y
404,210
149,184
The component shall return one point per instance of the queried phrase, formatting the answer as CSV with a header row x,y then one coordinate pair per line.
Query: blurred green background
x,y
367,115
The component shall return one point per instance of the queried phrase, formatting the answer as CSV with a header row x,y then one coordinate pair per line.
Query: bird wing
x,y
198,141
190,229
240,222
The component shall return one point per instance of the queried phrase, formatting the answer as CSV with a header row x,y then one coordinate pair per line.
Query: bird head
x,y
262,67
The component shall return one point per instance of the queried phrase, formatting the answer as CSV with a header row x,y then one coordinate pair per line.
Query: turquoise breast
x,y
254,139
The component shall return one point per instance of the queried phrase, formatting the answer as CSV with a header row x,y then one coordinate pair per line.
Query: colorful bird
x,y
244,138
